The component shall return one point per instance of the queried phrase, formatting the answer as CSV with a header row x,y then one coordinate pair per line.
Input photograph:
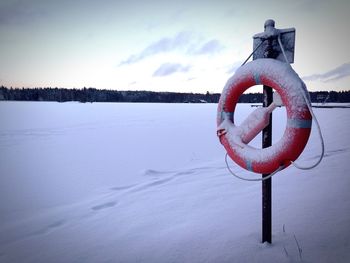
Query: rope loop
x,y
314,118
254,179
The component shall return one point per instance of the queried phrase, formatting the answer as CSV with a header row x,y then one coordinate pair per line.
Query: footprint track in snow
x,y
48,228
328,153
104,206
159,178
334,152
150,185
122,188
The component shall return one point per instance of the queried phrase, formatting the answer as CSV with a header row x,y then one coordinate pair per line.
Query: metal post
x,y
266,184
266,45
267,142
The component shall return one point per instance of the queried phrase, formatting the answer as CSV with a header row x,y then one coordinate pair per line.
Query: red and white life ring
x,y
281,77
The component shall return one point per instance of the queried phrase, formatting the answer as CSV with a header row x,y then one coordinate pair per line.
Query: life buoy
x,y
283,79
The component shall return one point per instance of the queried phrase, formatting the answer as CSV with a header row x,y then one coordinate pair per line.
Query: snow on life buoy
x,y
281,77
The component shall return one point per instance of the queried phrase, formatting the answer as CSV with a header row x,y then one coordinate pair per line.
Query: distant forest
x,y
97,95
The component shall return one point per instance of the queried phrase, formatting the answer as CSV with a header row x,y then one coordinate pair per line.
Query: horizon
x,y
258,91
163,46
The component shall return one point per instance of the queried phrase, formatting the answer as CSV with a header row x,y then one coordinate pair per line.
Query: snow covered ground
x,y
147,183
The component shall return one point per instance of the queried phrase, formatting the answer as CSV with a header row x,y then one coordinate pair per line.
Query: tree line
x,y
97,95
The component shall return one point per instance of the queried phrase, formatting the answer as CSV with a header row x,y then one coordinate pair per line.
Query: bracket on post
x,y
271,34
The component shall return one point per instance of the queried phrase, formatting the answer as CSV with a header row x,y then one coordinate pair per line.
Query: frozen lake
x,y
121,182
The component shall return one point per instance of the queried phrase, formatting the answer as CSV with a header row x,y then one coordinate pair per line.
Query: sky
x,y
182,46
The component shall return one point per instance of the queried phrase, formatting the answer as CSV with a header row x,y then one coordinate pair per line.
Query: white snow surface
x,y
128,182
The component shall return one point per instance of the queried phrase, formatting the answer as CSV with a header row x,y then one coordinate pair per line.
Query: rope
x,y
308,103
283,52
254,179
251,54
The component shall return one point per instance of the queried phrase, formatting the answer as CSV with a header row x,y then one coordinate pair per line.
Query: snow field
x,y
148,183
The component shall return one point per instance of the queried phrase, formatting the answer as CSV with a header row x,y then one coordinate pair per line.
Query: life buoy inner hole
x,y
250,102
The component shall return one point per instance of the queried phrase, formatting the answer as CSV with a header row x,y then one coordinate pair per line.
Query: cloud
x,y
165,44
210,47
20,12
186,41
167,69
332,75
